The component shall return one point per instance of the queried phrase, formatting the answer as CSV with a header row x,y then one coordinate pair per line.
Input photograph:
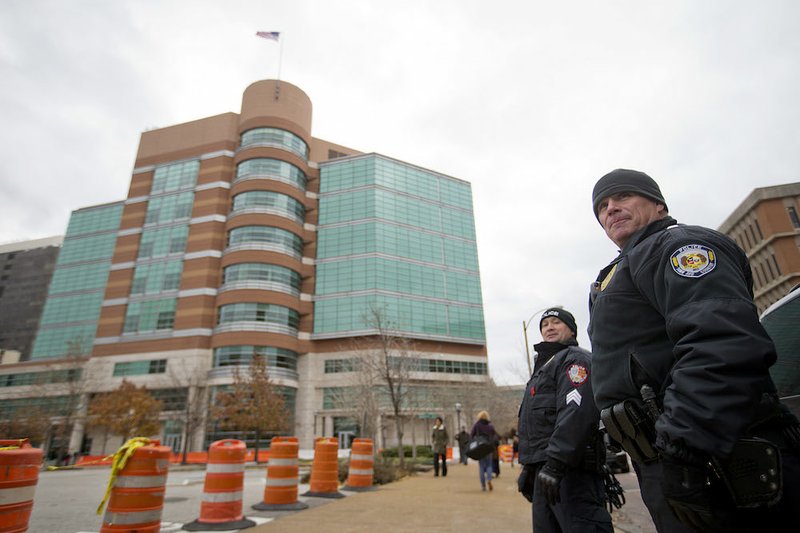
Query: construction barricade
x,y
506,453
280,492
221,505
136,487
361,471
325,469
19,473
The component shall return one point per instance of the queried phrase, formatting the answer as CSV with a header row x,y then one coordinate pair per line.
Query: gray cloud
x,y
529,101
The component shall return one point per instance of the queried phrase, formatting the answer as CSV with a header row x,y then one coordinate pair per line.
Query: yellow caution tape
x,y
19,444
120,459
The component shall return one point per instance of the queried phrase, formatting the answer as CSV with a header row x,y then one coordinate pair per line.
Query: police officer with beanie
x,y
680,370
559,442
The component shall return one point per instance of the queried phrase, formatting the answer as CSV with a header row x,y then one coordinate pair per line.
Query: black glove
x,y
695,500
549,480
525,482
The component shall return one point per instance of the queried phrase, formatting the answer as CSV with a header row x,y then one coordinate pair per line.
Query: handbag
x,y
479,447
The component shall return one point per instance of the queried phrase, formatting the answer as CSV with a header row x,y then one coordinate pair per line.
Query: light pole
x,y
458,417
525,324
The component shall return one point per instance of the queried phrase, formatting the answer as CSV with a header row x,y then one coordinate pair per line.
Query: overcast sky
x,y
530,101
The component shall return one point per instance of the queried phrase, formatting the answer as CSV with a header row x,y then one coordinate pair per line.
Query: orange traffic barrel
x,y
362,466
19,473
506,453
221,504
137,488
280,492
325,469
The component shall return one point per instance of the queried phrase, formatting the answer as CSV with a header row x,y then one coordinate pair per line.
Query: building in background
x,y
25,272
75,296
767,226
242,235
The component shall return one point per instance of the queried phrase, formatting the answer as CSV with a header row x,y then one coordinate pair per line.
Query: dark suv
x,y
781,321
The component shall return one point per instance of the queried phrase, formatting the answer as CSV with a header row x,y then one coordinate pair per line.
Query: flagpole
x,y
280,60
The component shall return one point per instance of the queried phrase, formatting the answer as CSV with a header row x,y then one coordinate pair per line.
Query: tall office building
x,y
25,271
767,226
75,295
243,235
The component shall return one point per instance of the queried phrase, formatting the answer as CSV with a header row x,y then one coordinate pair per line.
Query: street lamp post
x,y
458,417
525,324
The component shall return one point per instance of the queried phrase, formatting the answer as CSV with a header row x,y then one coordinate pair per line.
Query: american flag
x,y
273,35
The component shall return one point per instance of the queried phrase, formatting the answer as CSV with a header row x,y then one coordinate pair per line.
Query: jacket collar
x,y
547,350
642,234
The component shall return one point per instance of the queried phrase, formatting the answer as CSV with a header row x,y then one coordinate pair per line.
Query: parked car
x,y
781,321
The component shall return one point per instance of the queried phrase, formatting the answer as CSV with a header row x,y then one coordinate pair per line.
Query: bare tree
x,y
387,361
359,399
502,403
193,415
252,404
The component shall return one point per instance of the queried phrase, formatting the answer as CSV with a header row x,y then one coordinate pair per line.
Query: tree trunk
x,y
398,424
258,441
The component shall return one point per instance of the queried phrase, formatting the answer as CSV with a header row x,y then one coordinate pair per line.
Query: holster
x,y
629,424
594,456
752,473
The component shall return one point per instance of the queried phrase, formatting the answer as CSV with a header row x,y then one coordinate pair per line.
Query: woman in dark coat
x,y
484,427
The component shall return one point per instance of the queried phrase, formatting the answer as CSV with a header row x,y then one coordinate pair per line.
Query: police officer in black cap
x,y
680,370
559,443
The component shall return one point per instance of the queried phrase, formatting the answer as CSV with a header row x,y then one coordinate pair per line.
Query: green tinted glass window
x,y
270,202
139,368
169,207
159,242
348,314
266,235
89,248
95,219
79,278
266,168
258,312
242,355
59,341
175,177
262,272
275,137
149,315
152,278
74,308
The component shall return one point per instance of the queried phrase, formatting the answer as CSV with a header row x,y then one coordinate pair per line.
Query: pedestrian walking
x,y
463,442
560,445
485,428
680,370
440,439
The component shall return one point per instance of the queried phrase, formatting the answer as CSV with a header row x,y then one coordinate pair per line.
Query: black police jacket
x,y
558,417
675,310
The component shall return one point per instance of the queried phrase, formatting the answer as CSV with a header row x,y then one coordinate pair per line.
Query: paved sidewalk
x,y
424,502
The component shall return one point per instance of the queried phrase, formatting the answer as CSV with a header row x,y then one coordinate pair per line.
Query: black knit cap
x,y
563,315
624,180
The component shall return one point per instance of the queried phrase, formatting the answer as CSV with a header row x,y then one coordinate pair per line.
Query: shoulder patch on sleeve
x,y
577,374
693,260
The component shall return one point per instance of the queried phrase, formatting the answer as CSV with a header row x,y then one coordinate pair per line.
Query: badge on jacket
x,y
693,260
577,374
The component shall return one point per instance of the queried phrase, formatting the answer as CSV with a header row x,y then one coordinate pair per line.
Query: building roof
x,y
31,244
755,197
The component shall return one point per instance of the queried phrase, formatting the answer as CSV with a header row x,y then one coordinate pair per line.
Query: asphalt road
x,y
66,502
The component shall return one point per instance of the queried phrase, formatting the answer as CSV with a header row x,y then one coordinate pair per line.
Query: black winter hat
x,y
563,315
624,180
